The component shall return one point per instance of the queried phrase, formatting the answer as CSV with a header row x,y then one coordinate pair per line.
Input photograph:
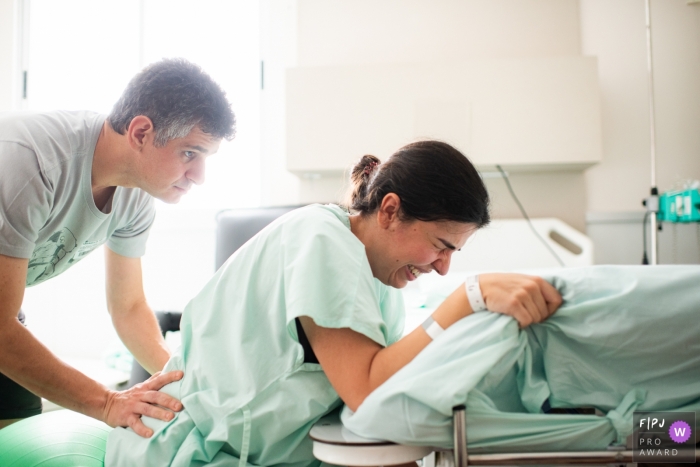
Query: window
x,y
80,54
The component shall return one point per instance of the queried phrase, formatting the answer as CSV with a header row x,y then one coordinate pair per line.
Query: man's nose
x,y
196,172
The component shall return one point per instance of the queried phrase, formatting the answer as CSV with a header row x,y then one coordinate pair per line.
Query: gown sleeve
x,y
327,277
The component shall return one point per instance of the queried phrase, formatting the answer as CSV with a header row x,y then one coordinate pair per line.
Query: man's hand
x,y
126,407
528,299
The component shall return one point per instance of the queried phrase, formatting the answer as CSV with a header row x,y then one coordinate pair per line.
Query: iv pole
x,y
652,202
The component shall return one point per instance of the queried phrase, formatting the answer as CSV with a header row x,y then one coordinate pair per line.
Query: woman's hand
x,y
528,299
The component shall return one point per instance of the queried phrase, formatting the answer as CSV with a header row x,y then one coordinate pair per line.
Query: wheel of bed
x,y
56,439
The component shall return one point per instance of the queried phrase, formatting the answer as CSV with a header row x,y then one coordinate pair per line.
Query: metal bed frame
x,y
341,445
459,457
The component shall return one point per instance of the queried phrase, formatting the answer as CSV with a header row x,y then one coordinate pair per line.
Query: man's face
x,y
168,172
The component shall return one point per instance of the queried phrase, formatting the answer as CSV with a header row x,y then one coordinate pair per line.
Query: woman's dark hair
x,y
434,181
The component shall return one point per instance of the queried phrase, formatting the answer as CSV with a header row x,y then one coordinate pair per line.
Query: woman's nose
x,y
442,264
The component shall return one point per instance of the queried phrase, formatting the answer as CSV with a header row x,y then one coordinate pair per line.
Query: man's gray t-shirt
x,y
47,212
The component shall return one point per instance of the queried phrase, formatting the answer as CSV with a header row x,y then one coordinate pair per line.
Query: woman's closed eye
x,y
441,248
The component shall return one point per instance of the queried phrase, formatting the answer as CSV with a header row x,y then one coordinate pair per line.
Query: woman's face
x,y
412,248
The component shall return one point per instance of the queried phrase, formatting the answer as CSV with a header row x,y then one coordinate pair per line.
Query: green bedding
x,y
626,338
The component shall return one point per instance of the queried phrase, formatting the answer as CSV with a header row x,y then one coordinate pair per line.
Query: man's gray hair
x,y
177,96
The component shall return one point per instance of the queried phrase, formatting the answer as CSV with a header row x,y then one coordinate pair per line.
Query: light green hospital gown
x,y
247,393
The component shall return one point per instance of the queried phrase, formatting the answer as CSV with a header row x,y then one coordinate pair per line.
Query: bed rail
x,y
460,458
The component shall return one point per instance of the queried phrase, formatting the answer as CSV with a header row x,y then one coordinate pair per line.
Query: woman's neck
x,y
366,229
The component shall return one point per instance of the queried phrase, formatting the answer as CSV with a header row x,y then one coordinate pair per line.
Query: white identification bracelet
x,y
432,328
476,300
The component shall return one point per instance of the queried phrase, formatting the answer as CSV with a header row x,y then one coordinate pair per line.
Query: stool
x,y
335,444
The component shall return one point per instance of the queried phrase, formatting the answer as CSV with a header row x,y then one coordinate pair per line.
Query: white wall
x,y
278,50
614,31
338,32
418,31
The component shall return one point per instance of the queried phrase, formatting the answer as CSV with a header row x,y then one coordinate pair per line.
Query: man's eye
x,y
190,154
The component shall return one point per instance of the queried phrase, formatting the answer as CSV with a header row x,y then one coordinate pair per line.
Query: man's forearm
x,y
139,331
25,360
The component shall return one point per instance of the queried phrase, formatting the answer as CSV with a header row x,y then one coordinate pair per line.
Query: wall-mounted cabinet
x,y
525,114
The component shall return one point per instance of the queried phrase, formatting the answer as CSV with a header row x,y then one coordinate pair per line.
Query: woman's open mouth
x,y
413,272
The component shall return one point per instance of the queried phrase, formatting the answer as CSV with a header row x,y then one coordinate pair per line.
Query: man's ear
x,y
388,212
140,132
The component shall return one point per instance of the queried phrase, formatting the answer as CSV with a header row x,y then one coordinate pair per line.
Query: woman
x,y
319,285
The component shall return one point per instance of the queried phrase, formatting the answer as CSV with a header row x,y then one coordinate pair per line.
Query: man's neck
x,y
110,165
108,168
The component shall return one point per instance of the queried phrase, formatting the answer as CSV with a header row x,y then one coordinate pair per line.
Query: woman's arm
x,y
356,365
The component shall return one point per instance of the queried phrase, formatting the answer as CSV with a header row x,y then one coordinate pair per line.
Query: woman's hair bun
x,y
361,176
366,165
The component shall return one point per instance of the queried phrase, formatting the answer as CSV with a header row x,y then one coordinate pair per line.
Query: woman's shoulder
x,y
319,218
324,228
322,213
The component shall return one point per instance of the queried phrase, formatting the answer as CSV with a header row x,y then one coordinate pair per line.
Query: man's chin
x,y
169,198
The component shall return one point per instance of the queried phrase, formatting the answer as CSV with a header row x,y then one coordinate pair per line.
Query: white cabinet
x,y
525,114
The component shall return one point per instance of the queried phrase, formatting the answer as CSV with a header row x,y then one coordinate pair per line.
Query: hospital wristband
x,y
432,328
476,299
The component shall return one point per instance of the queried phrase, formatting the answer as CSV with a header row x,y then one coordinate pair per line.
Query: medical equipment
x,y
679,206
673,207
670,206
652,202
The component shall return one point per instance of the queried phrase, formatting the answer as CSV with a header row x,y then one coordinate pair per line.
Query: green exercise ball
x,y
54,439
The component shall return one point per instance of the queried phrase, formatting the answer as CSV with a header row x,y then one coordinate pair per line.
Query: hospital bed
x,y
334,444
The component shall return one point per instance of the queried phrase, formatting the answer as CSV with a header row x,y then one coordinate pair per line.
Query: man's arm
x,y
133,319
26,361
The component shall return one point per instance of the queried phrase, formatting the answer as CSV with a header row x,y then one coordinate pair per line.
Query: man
x,y
72,181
